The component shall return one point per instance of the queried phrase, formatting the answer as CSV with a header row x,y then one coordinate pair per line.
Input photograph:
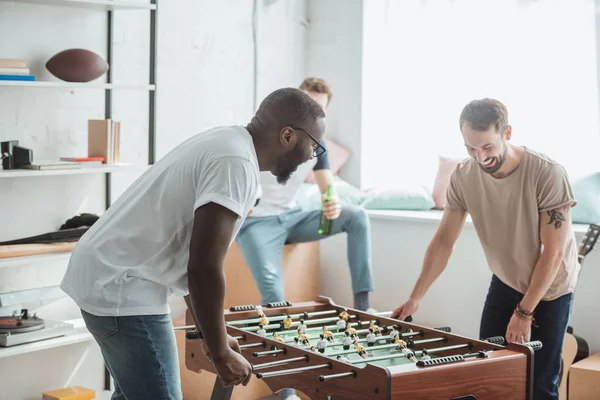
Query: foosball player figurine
x,y
302,326
344,314
371,338
346,341
261,331
276,337
425,355
343,359
395,333
263,318
328,334
322,343
360,349
409,354
313,349
297,342
351,330
341,324
374,327
287,322
303,338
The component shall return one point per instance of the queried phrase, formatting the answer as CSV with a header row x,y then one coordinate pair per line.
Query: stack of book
x,y
104,140
14,69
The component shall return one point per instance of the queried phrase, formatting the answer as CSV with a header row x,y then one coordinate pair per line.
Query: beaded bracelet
x,y
522,314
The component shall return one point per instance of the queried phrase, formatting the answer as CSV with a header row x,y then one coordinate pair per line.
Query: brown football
x,y
77,65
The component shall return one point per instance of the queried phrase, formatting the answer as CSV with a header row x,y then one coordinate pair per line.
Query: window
x,y
424,60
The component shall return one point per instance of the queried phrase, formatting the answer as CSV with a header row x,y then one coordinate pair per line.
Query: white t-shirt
x,y
136,254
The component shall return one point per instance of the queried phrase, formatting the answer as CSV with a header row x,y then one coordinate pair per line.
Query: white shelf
x,y
20,173
59,257
106,5
78,335
75,85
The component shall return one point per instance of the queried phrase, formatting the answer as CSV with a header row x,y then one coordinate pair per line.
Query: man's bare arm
x,y
211,236
554,230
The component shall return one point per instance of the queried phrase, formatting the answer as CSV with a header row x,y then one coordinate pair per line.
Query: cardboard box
x,y
584,379
71,393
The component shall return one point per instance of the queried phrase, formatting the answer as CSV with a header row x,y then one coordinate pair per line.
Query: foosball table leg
x,y
219,392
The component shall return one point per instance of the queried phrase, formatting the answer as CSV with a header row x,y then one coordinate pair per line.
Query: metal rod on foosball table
x,y
281,317
324,378
248,346
294,324
371,348
257,367
262,375
268,353
417,352
193,328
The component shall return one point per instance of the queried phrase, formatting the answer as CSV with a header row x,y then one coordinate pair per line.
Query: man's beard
x,y
286,167
499,161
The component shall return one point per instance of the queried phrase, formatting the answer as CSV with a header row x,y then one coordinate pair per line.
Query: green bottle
x,y
325,224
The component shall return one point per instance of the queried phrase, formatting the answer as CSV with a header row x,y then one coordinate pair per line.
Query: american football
x,y
77,65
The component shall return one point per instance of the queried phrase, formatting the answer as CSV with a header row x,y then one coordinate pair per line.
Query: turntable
x,y
19,329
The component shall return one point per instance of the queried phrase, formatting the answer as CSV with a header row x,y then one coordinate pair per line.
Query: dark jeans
x,y
140,353
551,318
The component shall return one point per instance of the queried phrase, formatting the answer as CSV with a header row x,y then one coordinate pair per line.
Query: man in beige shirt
x,y
520,202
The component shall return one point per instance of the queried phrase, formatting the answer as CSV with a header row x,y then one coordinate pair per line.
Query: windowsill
x,y
433,216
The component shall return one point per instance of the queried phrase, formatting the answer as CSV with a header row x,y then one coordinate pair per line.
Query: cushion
x,y
410,198
309,196
587,194
337,155
445,168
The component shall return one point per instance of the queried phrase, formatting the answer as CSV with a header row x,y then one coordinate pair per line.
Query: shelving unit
x,y
75,85
21,173
106,5
36,259
80,334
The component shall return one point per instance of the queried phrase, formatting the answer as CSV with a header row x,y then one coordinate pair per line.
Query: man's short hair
x,y
482,113
316,85
289,106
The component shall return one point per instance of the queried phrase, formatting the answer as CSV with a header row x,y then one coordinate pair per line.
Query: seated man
x,y
276,221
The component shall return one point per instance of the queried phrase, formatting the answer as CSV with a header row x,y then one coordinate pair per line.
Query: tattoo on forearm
x,y
556,216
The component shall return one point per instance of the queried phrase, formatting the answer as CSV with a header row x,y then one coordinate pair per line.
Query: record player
x,y
19,329
18,326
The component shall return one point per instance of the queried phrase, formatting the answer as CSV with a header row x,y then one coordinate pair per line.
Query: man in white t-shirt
x,y
169,233
276,221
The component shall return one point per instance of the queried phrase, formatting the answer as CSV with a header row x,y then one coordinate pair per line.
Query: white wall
x,y
334,53
456,298
205,78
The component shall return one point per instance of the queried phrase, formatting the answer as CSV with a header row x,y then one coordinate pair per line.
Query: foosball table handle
x,y
496,340
444,329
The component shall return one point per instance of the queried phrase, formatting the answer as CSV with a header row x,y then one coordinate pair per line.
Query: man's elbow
x,y
554,256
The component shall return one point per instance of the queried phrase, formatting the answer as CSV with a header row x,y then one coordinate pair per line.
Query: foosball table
x,y
330,352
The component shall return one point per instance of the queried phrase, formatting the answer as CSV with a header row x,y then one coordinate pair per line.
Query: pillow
x,y
309,196
411,198
587,194
445,168
337,155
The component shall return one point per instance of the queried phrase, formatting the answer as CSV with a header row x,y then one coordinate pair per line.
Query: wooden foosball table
x,y
329,352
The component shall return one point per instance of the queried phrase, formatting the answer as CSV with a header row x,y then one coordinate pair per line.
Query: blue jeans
x,y
141,354
551,318
261,240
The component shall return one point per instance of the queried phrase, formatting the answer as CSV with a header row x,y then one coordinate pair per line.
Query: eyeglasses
x,y
318,148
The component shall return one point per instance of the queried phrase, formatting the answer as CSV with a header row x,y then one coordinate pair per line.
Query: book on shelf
x,y
104,140
12,63
14,69
45,165
17,78
84,160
